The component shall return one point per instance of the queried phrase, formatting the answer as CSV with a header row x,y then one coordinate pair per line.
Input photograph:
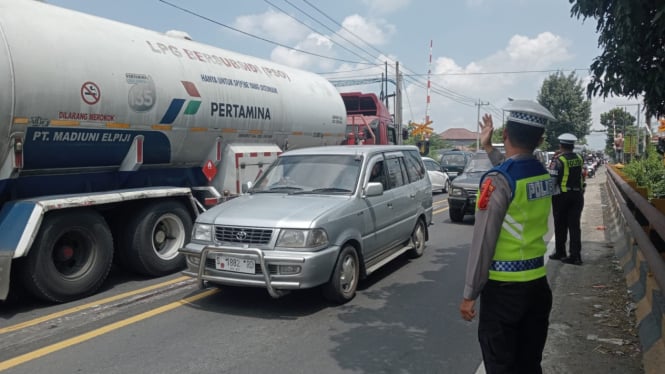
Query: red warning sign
x,y
90,93
209,170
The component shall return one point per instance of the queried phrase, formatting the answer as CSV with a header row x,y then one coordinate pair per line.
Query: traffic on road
x,y
404,317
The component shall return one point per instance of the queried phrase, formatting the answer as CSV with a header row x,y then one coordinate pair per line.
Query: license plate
x,y
234,264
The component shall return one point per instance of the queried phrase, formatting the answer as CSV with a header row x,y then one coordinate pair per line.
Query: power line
x,y
328,28
311,28
258,37
347,71
450,94
504,72
342,26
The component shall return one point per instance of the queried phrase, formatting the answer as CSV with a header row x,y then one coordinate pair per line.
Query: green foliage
x,y
648,172
631,34
564,97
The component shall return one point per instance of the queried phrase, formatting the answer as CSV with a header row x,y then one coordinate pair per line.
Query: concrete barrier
x,y
643,267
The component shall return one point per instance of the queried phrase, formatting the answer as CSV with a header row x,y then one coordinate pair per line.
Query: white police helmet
x,y
567,138
528,112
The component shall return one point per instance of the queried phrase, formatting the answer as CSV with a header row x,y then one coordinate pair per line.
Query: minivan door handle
x,y
413,196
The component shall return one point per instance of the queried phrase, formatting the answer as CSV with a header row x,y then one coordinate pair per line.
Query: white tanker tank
x,y
100,118
78,89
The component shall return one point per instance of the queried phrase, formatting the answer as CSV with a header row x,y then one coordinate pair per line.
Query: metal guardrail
x,y
638,213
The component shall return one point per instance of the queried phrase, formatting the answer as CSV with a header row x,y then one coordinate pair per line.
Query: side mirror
x,y
373,189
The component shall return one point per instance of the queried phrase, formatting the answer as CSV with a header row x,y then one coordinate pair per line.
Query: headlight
x,y
202,232
290,238
456,191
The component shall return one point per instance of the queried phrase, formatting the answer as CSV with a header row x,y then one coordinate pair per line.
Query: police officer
x,y
566,169
506,266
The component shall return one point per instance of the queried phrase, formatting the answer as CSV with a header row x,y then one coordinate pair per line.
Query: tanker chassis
x,y
109,157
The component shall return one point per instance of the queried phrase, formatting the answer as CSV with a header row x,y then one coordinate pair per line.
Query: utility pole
x,y
398,103
479,104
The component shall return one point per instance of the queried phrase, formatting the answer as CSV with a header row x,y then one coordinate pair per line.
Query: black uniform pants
x,y
513,323
567,212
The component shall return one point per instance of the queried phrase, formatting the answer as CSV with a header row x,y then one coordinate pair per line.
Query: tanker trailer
x,y
113,138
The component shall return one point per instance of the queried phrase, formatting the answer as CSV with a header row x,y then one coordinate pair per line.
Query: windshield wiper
x,y
277,189
325,190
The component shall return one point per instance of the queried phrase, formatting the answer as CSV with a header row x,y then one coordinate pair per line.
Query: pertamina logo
x,y
176,104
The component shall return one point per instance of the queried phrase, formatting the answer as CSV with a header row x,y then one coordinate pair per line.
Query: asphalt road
x,y
404,319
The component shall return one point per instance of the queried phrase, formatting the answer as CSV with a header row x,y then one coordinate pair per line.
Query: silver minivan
x,y
318,216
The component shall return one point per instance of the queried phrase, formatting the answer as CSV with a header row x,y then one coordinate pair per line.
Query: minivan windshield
x,y
314,174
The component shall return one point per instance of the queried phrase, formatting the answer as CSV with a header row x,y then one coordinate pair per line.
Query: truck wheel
x,y
418,240
344,281
70,258
456,215
154,235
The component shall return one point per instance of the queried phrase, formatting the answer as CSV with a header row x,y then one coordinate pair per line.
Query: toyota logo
x,y
241,236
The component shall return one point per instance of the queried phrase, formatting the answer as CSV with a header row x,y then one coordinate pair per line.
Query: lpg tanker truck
x,y
113,138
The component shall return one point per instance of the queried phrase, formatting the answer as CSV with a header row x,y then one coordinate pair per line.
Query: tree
x,y
632,36
564,97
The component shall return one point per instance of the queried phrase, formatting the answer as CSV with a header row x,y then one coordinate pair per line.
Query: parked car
x,y
464,189
453,162
318,216
439,179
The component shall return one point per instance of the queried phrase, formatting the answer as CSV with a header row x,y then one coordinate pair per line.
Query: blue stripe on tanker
x,y
12,229
42,185
48,148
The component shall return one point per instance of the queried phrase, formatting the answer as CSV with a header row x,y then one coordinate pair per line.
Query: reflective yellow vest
x,y
520,248
572,180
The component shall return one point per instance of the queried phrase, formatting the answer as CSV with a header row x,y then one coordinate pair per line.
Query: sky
x,y
482,51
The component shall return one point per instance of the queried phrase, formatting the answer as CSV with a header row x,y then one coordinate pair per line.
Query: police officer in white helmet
x,y
566,169
506,266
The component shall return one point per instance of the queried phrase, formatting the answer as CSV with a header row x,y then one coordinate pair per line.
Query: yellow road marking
x,y
100,331
75,309
440,210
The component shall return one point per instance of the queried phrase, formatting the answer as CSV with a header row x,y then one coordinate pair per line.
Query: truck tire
x,y
456,215
344,280
70,258
153,236
418,239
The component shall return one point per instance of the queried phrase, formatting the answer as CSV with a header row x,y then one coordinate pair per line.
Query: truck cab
x,y
368,121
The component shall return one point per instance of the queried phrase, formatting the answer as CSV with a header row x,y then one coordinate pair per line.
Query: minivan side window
x,y
377,172
395,175
414,167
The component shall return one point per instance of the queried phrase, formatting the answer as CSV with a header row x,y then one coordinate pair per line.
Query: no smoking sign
x,y
90,93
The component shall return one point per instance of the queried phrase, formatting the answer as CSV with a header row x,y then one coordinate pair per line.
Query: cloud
x,y
314,43
374,32
385,6
462,85
272,25
545,51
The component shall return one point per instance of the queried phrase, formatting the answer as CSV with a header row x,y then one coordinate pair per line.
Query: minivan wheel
x,y
418,240
344,280
456,215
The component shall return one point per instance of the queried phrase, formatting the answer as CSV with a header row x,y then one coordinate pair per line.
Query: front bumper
x,y
467,205
315,267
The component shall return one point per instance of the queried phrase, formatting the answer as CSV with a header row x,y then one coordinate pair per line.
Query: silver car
x,y
318,216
